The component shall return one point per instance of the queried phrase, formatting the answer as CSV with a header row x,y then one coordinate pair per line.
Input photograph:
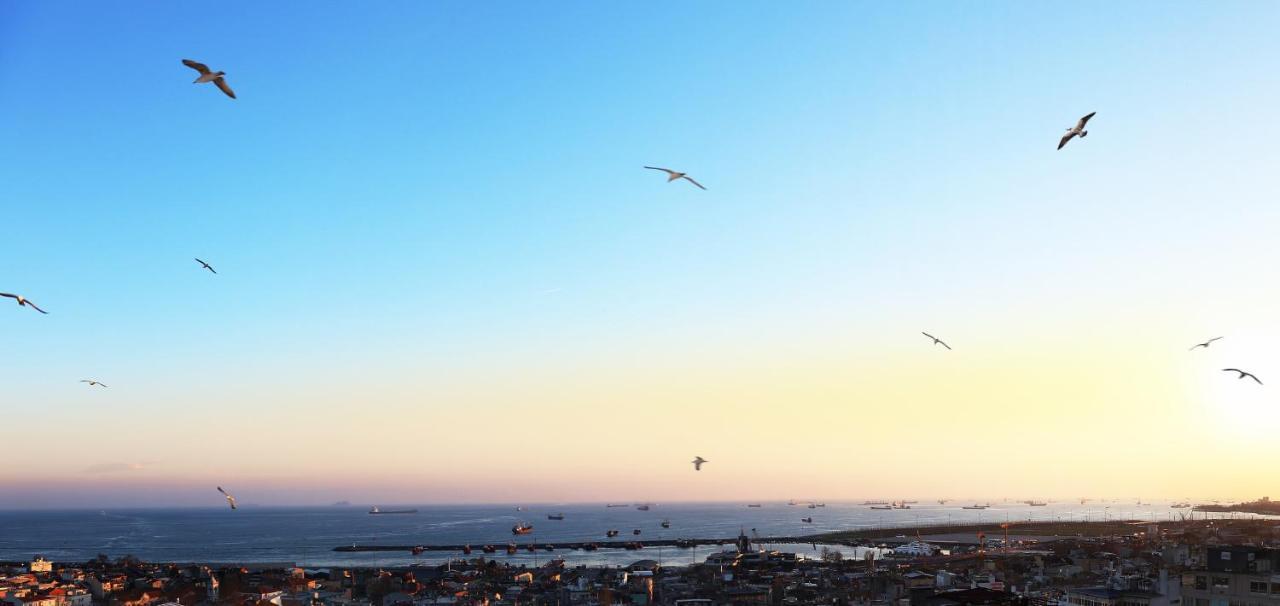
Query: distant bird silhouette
x,y
1078,129
210,76
1243,374
230,499
206,265
673,175
92,383
1205,344
936,340
23,302
697,463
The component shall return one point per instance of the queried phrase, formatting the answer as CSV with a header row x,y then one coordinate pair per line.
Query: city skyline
x,y
444,274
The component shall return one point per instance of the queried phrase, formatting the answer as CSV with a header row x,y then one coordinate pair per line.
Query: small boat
x,y
417,550
942,501
636,531
549,547
375,511
530,547
1180,505
686,543
753,505
611,534
487,549
519,507
466,550
820,504
634,546
642,507
590,547
807,520
813,505
1037,503
522,528
666,523
792,502
555,516
511,548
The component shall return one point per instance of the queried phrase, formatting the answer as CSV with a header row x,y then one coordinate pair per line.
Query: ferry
x,y
915,549
902,505
522,528
555,516
375,511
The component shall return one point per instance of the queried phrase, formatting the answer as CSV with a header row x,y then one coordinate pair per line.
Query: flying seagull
x,y
697,463
1205,344
230,499
673,175
1078,129
1243,374
936,340
23,302
209,76
206,265
92,383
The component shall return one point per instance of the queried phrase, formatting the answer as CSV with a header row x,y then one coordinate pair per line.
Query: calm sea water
x,y
307,535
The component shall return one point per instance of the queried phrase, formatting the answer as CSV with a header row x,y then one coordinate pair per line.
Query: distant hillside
x,y
1263,506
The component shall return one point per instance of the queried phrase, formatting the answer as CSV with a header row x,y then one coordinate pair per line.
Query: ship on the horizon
x,y
1180,505
1035,503
555,516
666,523
975,506
375,511
642,507
753,505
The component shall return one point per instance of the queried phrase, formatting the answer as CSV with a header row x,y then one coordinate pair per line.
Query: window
x,y
1258,587
1202,582
1221,582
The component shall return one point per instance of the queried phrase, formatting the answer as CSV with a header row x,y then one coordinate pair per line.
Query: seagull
x,y
673,175
209,76
23,302
92,383
230,499
1243,374
936,340
697,463
206,265
1078,129
1205,344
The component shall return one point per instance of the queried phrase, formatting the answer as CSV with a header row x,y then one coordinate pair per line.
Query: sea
x,y
307,536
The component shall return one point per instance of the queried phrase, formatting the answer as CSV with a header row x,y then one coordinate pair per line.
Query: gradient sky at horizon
x,y
444,275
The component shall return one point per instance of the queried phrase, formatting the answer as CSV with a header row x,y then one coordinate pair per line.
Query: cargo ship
x,y
555,516
375,511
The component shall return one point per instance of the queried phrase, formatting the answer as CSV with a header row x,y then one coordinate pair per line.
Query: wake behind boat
x,y
375,511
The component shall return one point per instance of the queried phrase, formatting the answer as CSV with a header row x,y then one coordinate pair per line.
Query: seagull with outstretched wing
x,y
697,463
92,383
1205,344
1243,374
206,265
206,76
230,499
1077,130
23,301
672,175
936,340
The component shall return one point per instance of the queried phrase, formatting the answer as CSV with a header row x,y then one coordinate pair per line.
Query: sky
x,y
444,275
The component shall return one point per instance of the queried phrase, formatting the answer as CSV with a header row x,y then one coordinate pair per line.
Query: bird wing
x,y
222,84
1214,339
196,65
1192,348
35,307
223,491
665,170
1065,138
5,294
690,179
944,344
1085,120
1254,378
85,381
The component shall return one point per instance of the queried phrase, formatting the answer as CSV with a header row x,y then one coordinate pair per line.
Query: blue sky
x,y
412,204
